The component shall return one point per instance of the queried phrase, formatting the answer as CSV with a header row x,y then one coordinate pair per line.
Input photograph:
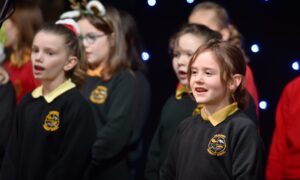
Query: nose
x,y
36,56
199,78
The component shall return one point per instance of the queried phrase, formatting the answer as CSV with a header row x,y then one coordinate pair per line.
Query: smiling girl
x,y
221,142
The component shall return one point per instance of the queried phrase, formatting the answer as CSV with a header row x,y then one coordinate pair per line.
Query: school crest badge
x,y
52,121
99,95
217,145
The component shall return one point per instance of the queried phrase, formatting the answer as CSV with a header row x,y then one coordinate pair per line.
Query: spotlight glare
x,y
255,48
151,2
295,65
263,105
190,1
145,56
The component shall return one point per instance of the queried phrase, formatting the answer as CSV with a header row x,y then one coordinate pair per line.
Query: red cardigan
x,y
284,156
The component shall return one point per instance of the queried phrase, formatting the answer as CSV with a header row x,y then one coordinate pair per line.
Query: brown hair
x,y
231,61
198,30
222,19
27,18
110,24
74,48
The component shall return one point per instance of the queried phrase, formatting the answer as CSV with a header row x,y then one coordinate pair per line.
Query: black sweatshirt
x,y
50,141
231,150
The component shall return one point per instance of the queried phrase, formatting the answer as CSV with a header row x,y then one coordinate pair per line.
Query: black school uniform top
x,y
114,102
7,105
224,146
52,136
174,111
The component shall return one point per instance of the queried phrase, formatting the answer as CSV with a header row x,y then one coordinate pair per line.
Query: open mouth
x,y
38,68
200,90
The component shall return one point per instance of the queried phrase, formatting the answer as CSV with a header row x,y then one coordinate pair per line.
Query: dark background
x,y
274,25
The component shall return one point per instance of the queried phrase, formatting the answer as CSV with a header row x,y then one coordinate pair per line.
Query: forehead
x,y
86,26
190,40
49,39
206,59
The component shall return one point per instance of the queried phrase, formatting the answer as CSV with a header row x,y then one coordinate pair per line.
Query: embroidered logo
x,y
217,145
52,121
99,95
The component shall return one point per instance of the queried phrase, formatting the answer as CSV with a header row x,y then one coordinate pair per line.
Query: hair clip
x,y
93,7
70,24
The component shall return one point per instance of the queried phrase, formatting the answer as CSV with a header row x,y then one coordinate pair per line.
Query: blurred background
x,y
271,40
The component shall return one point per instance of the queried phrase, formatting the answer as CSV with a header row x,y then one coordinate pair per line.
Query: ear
x,y
225,34
235,82
70,63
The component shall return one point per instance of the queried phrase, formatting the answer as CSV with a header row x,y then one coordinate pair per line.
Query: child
x,y
284,156
221,142
54,127
18,40
111,89
183,44
216,17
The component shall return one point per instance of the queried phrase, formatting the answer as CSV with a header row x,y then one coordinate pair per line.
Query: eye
x,y
208,73
34,49
194,71
49,52
176,54
91,37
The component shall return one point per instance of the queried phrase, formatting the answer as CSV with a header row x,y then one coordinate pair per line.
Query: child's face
x,y
182,54
96,43
49,56
206,83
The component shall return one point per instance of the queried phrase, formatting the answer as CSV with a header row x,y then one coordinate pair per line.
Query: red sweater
x,y
21,78
284,156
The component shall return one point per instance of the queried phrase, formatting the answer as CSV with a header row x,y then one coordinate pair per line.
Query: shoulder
x,y
187,123
241,121
293,86
75,99
125,75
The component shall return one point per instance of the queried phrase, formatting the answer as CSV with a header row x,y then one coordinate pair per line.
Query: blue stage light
x,y
295,65
263,105
145,56
255,48
151,2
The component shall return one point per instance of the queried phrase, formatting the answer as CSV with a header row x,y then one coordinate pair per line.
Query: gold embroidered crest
x,y
99,95
52,121
217,145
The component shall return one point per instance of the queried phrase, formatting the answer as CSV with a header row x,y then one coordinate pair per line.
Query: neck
x,y
49,86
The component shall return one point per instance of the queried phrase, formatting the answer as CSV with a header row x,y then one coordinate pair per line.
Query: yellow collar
x,y
220,115
95,72
180,91
67,85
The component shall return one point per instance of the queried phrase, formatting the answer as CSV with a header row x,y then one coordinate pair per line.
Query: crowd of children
x,y
75,101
